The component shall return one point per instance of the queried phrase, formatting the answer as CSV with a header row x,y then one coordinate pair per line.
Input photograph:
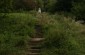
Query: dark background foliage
x,y
75,7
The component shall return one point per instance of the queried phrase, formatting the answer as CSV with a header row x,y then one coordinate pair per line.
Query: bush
x,y
6,6
63,36
15,32
79,10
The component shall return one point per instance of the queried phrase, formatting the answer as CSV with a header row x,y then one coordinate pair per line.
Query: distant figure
x,y
39,10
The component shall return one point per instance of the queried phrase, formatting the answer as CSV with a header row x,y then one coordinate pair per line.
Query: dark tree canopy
x,y
76,7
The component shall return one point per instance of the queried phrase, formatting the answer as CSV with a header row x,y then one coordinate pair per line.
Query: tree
x,y
79,9
63,5
27,4
6,5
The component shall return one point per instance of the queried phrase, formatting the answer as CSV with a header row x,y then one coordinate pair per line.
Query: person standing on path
x,y
39,11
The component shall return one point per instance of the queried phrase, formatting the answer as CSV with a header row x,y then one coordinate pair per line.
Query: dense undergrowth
x,y
63,36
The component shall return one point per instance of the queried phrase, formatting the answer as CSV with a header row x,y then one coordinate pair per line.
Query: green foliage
x,y
79,9
15,32
6,5
50,5
63,36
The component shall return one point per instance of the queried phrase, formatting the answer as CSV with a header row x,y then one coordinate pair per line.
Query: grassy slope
x,y
63,36
15,31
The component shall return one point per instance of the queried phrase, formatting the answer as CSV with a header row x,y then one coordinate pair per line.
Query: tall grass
x,y
63,36
15,32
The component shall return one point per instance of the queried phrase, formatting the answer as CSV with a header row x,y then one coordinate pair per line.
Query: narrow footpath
x,y
36,41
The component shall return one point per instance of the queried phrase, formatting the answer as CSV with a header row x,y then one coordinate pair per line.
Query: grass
x,y
15,31
63,36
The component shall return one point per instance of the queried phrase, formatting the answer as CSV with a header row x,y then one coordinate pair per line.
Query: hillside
x,y
63,36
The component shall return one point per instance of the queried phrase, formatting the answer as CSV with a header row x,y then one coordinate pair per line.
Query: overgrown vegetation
x,y
15,32
63,36
75,7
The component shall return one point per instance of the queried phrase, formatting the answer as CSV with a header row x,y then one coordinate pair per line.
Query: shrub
x,y
15,32
61,36
79,9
